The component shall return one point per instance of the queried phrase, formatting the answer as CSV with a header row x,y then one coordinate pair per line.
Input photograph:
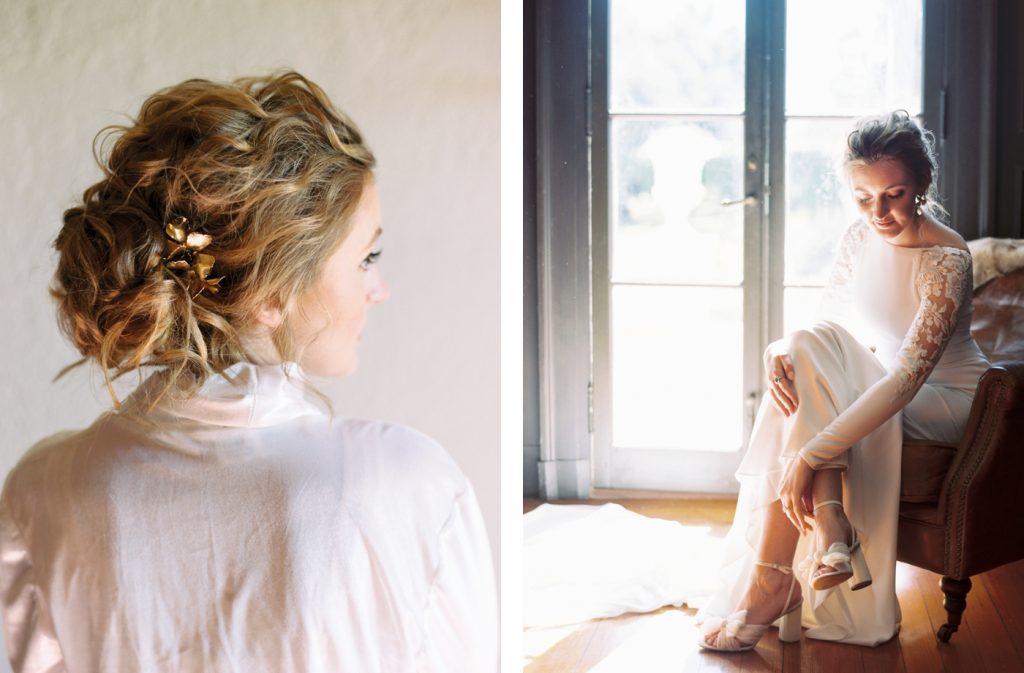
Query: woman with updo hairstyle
x,y
892,358
222,517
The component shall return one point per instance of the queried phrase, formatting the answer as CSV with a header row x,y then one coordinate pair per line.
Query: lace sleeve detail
x,y
943,284
837,298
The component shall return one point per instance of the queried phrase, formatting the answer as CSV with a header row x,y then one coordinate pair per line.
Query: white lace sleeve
x,y
943,283
837,301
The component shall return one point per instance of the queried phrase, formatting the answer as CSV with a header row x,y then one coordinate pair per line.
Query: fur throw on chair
x,y
994,257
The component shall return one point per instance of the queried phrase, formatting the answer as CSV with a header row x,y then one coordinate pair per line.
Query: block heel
x,y
861,574
733,634
789,629
847,562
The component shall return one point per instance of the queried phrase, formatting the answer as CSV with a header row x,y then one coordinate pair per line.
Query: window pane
x,y
817,202
853,58
677,368
669,180
677,54
801,307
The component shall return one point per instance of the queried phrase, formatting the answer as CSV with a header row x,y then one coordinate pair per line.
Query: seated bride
x,y
819,483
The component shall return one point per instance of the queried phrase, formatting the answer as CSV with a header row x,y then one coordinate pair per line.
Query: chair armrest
x,y
985,470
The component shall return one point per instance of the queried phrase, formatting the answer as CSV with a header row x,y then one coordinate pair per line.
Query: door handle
x,y
748,200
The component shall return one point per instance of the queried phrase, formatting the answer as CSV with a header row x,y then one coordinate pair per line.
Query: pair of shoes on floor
x,y
847,562
735,635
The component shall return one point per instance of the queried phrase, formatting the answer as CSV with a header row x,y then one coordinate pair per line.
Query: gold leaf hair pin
x,y
183,257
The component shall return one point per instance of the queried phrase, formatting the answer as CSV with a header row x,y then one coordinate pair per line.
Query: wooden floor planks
x,y
1005,587
990,638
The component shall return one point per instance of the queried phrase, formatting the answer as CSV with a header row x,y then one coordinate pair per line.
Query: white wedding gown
x,y
911,371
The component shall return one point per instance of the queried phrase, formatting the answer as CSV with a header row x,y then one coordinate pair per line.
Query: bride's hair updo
x,y
266,167
897,136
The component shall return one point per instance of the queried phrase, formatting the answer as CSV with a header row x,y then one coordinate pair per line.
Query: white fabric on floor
x,y
584,562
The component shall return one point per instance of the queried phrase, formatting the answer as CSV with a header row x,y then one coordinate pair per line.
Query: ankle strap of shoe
x,y
786,570
827,502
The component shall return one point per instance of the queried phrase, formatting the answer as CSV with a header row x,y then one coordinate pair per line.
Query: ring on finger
x,y
777,379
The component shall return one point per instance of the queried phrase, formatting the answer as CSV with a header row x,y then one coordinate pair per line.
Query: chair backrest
x,y
998,322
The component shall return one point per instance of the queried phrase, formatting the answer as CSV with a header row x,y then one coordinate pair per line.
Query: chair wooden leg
x,y
955,602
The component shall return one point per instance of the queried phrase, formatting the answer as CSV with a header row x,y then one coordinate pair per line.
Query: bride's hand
x,y
795,493
779,369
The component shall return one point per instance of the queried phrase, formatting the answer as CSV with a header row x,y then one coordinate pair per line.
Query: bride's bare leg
x,y
830,523
765,598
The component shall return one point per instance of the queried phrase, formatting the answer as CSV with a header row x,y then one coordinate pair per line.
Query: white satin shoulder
x,y
244,529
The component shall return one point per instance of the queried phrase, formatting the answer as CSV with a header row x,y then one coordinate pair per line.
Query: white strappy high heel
x,y
735,635
848,562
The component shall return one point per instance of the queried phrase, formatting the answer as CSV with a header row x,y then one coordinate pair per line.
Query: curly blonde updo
x,y
899,137
266,166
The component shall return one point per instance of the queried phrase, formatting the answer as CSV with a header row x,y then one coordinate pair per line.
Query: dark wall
x,y
1009,159
531,384
981,150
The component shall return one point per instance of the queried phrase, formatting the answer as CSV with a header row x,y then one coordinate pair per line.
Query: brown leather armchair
x,y
953,518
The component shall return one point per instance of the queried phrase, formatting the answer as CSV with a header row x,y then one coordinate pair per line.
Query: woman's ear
x,y
269,314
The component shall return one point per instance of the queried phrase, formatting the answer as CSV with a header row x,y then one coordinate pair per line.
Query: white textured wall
x,y
420,77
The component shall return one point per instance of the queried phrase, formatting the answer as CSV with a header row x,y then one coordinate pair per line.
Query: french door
x,y
716,204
